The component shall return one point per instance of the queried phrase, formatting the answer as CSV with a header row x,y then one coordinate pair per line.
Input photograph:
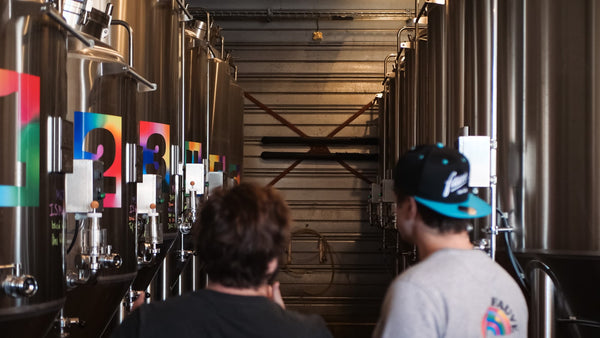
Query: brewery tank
x,y
430,73
235,107
195,74
35,156
156,30
548,155
405,92
102,87
219,141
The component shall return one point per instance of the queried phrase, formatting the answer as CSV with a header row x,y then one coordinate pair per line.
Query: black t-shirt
x,y
213,314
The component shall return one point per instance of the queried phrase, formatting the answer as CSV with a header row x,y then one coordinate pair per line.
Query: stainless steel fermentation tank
x,y
235,113
545,122
102,87
196,55
211,94
548,157
34,146
156,33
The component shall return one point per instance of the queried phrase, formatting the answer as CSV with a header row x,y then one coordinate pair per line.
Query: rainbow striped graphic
x,y
98,137
26,89
235,169
193,152
218,162
155,139
495,322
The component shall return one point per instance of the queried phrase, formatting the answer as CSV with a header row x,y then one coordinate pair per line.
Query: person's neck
x,y
430,241
259,291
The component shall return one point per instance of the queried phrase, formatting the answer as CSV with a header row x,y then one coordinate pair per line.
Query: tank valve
x,y
95,253
189,217
110,259
18,285
132,296
153,232
64,323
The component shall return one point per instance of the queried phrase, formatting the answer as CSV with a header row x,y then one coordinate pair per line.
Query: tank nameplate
x,y
156,143
217,162
235,172
193,152
99,137
24,90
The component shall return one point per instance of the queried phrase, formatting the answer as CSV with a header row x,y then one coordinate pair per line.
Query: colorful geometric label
x,y
217,162
495,322
24,90
193,152
235,172
155,139
98,137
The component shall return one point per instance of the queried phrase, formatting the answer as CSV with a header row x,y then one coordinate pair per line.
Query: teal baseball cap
x,y
438,177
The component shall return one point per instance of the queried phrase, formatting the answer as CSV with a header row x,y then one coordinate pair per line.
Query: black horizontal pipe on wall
x,y
320,140
277,155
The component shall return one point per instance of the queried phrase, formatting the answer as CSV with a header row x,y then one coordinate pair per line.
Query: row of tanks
x,y
118,118
512,78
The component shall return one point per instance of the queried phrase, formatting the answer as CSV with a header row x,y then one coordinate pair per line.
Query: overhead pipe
x,y
185,11
385,63
399,34
54,15
280,155
320,140
129,30
144,84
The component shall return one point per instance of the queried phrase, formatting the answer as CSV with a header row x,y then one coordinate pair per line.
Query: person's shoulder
x,y
306,325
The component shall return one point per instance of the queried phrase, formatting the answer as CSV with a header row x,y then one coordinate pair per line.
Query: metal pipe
x,y
385,62
542,303
278,155
150,85
208,27
185,11
309,14
52,13
415,84
207,146
130,33
182,94
400,34
494,129
320,140
222,48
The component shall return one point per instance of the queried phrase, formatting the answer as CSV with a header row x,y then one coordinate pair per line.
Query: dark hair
x,y
240,231
435,220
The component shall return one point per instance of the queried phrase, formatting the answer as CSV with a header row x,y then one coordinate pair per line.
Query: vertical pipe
x,y
182,141
207,145
542,302
415,79
494,128
194,272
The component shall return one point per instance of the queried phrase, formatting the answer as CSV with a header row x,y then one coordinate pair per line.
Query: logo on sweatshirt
x,y
498,320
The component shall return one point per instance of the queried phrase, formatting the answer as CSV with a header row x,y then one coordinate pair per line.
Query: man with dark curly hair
x,y
240,237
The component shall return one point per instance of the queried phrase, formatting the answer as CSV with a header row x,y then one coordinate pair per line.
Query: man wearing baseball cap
x,y
454,291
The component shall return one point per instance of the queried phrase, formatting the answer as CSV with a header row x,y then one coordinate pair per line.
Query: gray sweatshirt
x,y
454,293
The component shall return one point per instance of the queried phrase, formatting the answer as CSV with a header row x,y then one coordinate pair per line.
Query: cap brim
x,y
473,207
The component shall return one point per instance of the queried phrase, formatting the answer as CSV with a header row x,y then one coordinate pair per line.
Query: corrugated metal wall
x,y
337,266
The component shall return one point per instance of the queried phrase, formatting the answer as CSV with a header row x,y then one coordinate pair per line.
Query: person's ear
x,y
272,267
411,208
